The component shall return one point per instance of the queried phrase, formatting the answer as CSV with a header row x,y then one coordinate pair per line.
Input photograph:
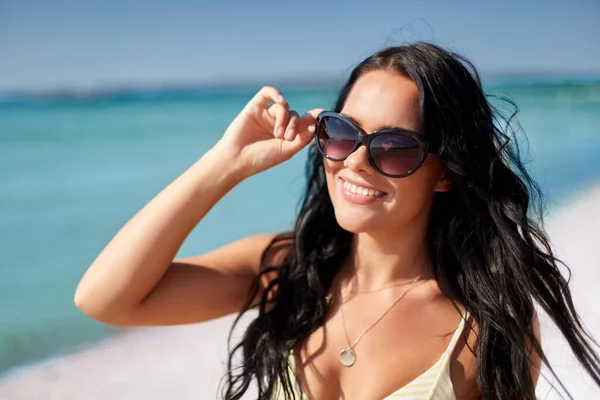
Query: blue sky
x,y
85,44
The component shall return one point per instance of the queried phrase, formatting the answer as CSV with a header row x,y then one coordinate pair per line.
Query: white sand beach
x,y
187,362
575,234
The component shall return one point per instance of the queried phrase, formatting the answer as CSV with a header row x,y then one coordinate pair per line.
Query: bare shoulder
x,y
463,364
535,349
464,360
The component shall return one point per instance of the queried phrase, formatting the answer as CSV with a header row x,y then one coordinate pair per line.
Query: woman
x,y
413,267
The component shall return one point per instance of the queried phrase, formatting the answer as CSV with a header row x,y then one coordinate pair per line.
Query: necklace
x,y
348,355
329,297
365,291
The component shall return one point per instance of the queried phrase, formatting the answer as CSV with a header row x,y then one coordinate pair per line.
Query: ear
x,y
445,182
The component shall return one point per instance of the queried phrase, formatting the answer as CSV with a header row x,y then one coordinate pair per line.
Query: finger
x,y
315,112
308,119
280,114
266,94
300,141
292,126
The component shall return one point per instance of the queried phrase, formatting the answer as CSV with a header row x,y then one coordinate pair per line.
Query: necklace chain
x,y
351,346
365,291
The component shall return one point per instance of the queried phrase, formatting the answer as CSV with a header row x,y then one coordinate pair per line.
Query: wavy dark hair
x,y
485,239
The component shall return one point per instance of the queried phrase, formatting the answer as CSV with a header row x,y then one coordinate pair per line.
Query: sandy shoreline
x,y
575,234
187,362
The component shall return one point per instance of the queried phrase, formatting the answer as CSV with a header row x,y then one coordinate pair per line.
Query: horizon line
x,y
328,82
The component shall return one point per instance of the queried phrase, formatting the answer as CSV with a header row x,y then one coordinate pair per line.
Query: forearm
x,y
137,258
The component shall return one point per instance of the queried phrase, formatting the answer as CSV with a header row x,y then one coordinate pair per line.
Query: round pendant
x,y
347,357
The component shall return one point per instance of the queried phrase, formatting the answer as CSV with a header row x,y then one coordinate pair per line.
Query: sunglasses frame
x,y
364,138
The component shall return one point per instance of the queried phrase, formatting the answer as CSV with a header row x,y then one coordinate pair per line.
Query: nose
x,y
358,161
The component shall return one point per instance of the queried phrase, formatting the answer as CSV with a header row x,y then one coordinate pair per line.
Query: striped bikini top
x,y
433,384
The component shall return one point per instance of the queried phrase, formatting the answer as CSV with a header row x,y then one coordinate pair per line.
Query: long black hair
x,y
485,240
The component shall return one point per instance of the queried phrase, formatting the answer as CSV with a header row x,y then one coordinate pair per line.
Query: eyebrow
x,y
355,121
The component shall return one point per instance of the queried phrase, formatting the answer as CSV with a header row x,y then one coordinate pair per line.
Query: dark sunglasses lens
x,y
395,154
336,138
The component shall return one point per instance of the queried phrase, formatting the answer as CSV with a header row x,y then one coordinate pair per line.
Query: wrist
x,y
227,163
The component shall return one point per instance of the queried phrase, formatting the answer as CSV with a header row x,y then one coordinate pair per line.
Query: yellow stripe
x,y
442,388
419,383
406,394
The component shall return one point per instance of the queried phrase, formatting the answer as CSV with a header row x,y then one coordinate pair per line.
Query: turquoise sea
x,y
73,170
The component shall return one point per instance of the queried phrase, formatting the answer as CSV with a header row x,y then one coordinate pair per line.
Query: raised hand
x,y
267,132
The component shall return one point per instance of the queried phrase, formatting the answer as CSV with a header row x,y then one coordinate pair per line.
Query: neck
x,y
382,258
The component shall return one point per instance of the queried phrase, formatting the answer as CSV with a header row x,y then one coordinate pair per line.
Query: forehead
x,y
382,98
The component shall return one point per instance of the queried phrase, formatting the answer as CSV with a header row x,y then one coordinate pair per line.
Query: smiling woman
x,y
414,265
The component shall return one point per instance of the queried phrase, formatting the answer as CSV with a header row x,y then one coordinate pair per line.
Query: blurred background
x,y
102,104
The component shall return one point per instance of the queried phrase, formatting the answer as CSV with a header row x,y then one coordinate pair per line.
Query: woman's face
x,y
383,99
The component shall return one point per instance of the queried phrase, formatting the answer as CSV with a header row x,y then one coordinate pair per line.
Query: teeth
x,y
361,190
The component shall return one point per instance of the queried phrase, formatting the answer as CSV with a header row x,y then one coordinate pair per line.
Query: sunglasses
x,y
393,152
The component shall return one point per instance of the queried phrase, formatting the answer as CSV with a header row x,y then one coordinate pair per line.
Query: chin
x,y
353,227
356,220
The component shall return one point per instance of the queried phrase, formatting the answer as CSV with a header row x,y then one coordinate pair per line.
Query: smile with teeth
x,y
361,190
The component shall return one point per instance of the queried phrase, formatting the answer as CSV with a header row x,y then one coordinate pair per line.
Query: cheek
x,y
427,176
331,169
414,194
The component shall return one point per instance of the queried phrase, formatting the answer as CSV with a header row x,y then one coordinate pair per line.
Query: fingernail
x,y
311,128
289,135
280,132
280,98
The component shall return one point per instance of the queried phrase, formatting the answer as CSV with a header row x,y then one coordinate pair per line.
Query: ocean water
x,y
73,171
